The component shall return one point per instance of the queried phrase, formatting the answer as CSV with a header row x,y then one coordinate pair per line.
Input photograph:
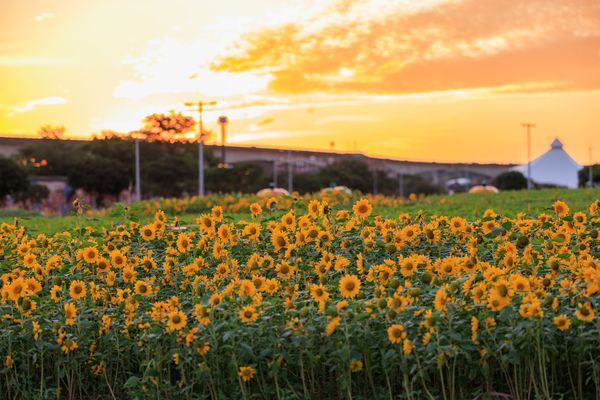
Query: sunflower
x,y
396,333
129,274
285,270
362,208
90,254
560,208
217,213
29,260
279,240
118,259
562,322
77,289
252,231
183,242
585,312
148,232
246,373
143,288
349,286
319,293
70,313
255,209
160,216
176,320
458,224
356,365
102,265
248,314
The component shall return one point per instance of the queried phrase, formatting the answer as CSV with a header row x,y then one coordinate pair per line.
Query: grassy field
x,y
331,296
469,206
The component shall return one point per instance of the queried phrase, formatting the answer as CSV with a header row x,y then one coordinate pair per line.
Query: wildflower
x,y
356,365
396,333
349,286
562,322
70,313
176,320
560,208
585,312
362,208
246,373
248,314
77,289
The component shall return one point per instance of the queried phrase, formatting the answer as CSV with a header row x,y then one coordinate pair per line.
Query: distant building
x,y
554,167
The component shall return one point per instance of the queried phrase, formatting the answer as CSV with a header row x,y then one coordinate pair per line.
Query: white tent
x,y
554,167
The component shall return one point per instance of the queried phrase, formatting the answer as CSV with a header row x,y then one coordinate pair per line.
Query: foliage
x,y
584,175
13,179
324,300
510,180
52,132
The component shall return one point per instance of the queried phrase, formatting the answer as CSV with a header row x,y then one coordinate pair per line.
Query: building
x,y
555,167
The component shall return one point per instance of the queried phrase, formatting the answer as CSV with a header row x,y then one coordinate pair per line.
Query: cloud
x,y
45,16
17,61
30,105
387,47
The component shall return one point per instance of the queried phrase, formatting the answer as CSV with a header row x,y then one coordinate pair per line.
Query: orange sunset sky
x,y
443,80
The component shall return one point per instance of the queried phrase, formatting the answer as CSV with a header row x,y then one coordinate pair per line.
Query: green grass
x,y
469,206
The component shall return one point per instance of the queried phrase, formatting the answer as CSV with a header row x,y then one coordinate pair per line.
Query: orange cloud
x,y
525,45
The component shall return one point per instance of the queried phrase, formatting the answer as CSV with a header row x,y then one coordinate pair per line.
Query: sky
x,y
433,80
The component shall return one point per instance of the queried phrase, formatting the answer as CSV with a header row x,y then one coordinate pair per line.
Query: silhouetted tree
x,y
13,178
52,132
584,175
510,180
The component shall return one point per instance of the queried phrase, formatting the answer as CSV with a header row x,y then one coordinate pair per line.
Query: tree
x,y
14,180
52,132
584,175
170,127
510,180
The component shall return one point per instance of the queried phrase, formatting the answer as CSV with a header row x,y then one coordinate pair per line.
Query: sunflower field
x,y
321,300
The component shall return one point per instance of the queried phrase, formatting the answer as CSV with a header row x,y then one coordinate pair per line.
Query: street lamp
x,y
528,125
223,120
201,138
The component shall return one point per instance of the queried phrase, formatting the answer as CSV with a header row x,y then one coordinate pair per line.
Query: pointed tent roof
x,y
555,167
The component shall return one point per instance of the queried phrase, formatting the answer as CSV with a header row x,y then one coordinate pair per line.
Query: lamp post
x,y
223,120
201,137
138,183
528,125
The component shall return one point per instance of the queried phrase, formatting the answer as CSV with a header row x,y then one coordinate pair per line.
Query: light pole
x,y
290,172
138,183
528,125
590,176
223,120
201,137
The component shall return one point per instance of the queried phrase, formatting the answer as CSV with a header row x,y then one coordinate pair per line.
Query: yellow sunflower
x,y
176,320
77,289
362,208
396,333
248,314
246,373
90,254
349,286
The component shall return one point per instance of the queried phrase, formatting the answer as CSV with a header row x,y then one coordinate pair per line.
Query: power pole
x,y
223,120
274,173
138,184
290,172
201,137
590,175
528,125
401,184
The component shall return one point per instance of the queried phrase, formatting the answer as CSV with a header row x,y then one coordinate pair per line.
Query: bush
x,y
510,180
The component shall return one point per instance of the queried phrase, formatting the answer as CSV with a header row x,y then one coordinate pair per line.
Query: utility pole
x,y
274,173
590,175
201,137
290,172
223,120
400,184
528,125
138,183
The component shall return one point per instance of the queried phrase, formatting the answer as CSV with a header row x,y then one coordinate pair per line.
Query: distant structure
x,y
554,167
